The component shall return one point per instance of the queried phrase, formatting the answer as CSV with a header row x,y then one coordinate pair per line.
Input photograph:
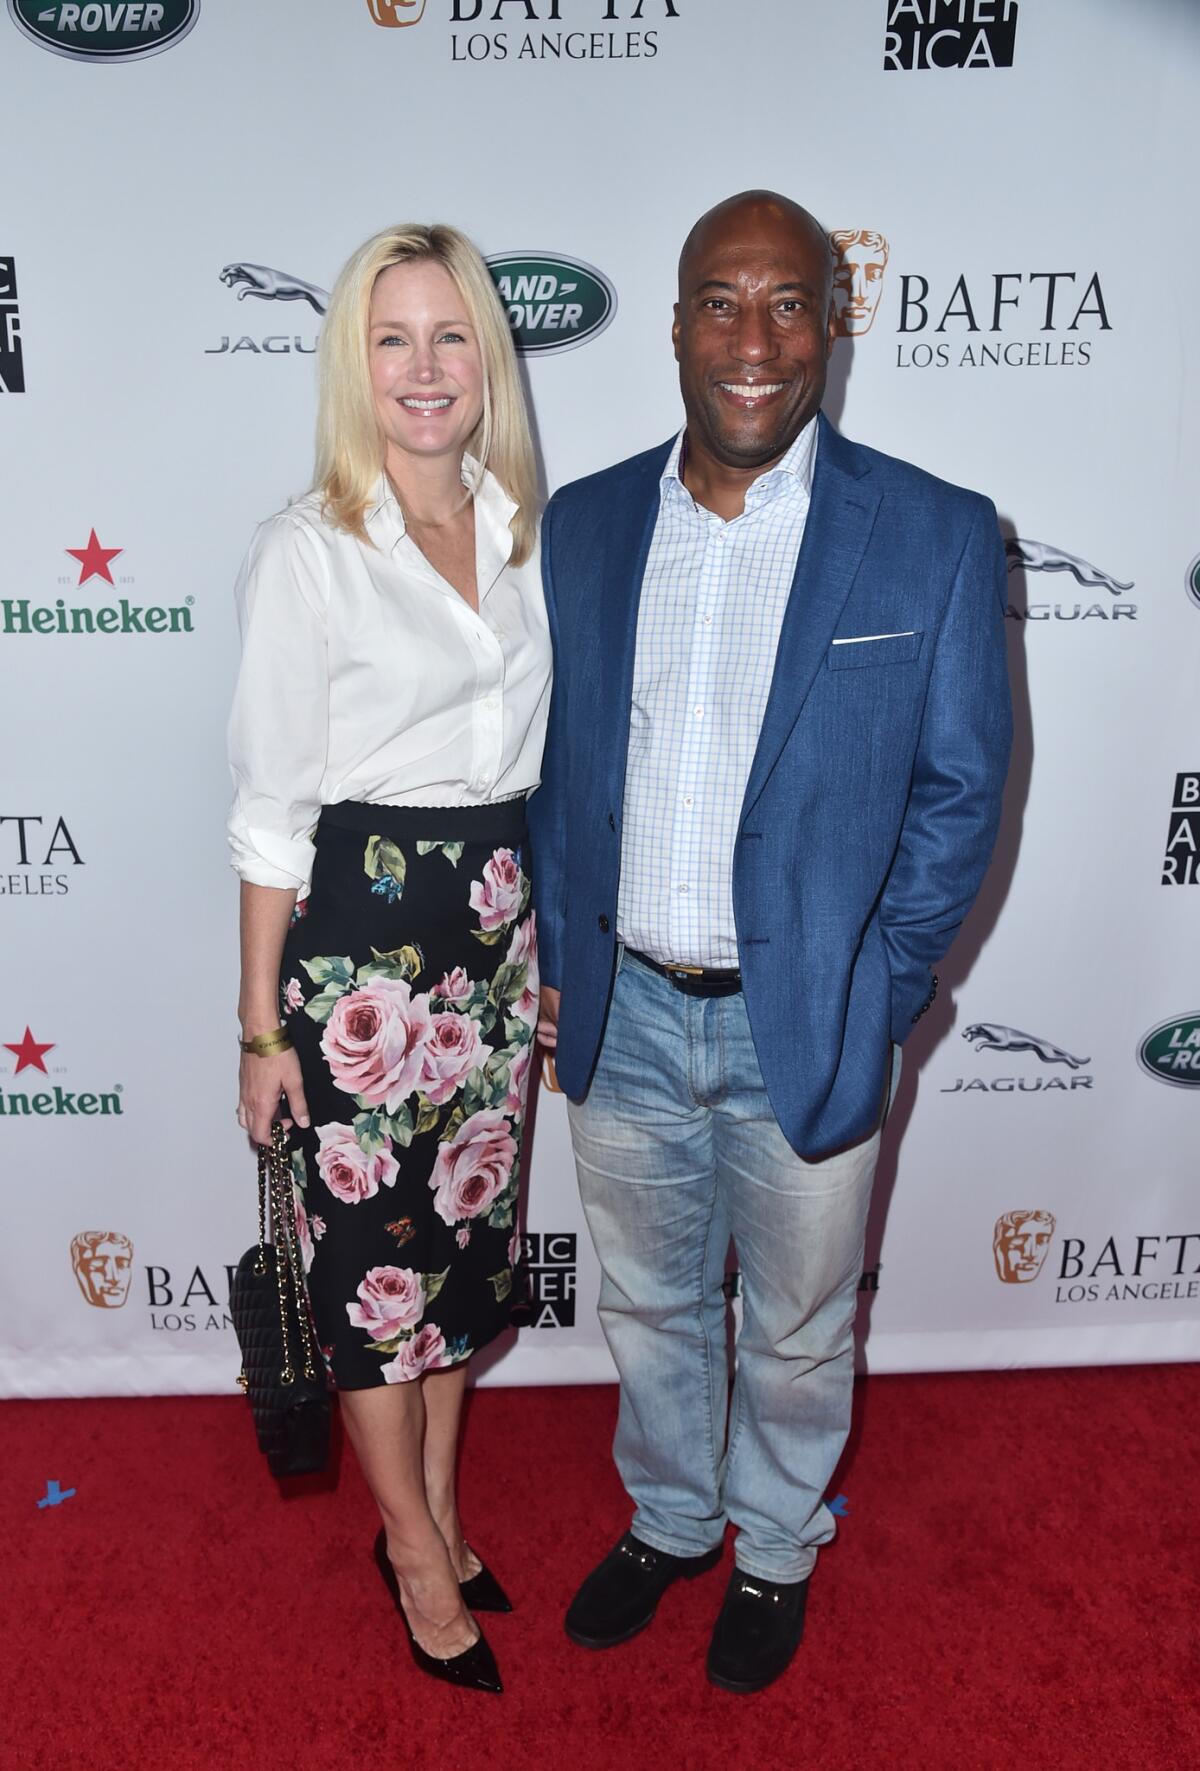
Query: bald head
x,y
754,214
753,332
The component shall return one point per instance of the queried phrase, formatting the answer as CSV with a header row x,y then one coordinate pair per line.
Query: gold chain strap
x,y
296,1264
274,1173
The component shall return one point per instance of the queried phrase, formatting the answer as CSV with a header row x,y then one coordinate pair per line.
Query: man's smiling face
x,y
753,330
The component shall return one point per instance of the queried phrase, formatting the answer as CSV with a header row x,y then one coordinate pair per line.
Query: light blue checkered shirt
x,y
712,605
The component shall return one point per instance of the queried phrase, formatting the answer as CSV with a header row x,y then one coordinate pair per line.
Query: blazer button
x,y
612,822
603,920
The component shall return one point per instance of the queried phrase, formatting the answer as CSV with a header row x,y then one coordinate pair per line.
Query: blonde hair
x,y
350,443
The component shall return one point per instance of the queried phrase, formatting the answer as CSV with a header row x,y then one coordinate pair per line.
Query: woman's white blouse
x,y
366,676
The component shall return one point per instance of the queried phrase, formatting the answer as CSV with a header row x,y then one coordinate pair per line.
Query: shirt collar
x,y
384,518
797,465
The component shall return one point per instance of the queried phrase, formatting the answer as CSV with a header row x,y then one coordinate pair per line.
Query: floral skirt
x,y
409,985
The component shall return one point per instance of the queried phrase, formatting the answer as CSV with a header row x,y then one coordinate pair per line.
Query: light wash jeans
x,y
677,1149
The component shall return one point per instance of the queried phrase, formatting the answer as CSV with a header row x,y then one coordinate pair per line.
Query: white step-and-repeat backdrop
x,y
1010,190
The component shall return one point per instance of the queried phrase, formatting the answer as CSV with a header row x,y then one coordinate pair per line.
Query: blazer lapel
x,y
629,530
840,518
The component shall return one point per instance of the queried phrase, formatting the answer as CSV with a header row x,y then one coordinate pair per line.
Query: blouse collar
x,y
385,519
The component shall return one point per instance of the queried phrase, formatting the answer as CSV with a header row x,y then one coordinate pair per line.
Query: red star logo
x,y
30,1053
94,560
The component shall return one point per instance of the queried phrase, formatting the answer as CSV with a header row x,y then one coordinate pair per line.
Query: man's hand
x,y
547,1027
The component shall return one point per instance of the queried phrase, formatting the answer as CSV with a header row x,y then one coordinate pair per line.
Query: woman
x,y
393,694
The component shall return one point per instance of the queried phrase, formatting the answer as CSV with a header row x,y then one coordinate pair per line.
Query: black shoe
x,y
483,1592
757,1632
620,1597
475,1668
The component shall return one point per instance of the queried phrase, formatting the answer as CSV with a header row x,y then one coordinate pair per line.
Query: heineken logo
x,y
20,615
553,303
120,30
1171,1051
52,1100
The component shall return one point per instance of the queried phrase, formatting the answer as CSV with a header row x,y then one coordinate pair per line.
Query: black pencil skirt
x,y
409,986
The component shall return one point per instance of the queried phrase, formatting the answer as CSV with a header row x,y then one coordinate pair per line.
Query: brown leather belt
x,y
692,980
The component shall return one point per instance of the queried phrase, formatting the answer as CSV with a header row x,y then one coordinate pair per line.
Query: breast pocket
x,y
857,652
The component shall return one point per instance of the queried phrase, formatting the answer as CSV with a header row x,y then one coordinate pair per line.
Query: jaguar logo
x,y
265,284
1039,556
991,1036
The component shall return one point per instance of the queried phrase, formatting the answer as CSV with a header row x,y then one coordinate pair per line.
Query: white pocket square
x,y
865,639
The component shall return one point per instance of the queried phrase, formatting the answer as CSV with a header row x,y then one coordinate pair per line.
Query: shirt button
x,y
707,620
682,890
490,702
689,801
698,711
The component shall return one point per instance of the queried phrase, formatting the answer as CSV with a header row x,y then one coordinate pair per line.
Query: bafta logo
x,y
1020,1243
550,1074
859,259
103,1263
396,12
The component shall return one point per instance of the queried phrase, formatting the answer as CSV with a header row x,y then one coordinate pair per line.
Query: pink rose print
x,y
473,1167
374,1042
306,1229
455,986
518,1082
426,1351
391,1298
318,1227
293,995
347,1170
452,1050
497,896
522,950
463,1236
514,1248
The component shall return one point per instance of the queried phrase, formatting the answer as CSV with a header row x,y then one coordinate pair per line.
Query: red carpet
x,y
1015,1584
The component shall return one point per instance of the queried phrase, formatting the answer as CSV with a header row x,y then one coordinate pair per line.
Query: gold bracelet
x,y
268,1045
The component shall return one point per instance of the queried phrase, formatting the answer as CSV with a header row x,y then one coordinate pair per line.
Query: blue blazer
x,y
874,796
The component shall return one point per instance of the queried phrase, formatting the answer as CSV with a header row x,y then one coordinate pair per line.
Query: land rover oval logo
x,y
1193,581
1171,1051
118,30
553,303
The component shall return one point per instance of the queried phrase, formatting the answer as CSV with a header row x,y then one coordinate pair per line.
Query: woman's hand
x,y
547,1027
261,1083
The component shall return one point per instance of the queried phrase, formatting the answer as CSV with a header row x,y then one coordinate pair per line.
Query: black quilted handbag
x,y
283,1373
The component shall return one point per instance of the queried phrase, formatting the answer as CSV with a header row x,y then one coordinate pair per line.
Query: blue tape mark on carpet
x,y
54,1495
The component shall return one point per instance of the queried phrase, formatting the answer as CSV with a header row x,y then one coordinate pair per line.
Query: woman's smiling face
x,y
425,361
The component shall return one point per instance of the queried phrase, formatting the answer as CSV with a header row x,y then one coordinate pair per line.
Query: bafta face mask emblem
x,y
1020,1243
103,1263
860,258
396,12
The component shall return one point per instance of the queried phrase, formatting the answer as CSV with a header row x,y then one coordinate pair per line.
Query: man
x,y
772,784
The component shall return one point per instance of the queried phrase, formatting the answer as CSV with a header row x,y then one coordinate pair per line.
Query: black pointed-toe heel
x,y
483,1592
474,1669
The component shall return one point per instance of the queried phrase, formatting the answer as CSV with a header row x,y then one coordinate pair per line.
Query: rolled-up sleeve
x,y
279,726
